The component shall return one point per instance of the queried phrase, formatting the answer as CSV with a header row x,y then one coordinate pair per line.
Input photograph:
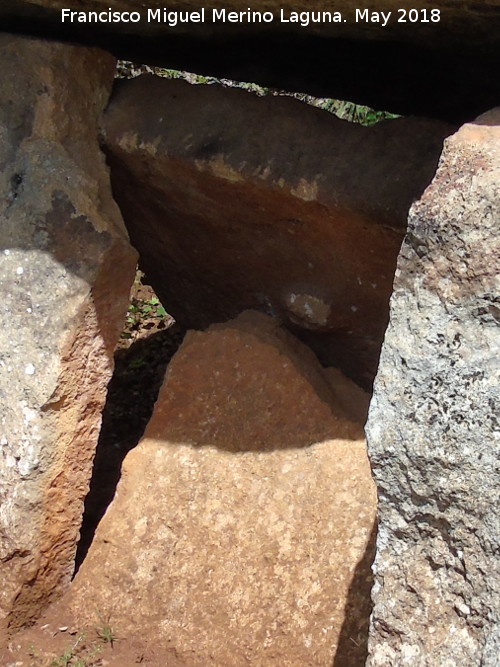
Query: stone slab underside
x,y
411,63
241,531
433,430
65,272
472,23
236,201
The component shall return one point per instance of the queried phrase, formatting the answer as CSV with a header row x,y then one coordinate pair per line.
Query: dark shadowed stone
x,y
236,202
444,65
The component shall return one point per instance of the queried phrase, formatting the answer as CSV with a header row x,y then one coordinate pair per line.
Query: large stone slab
x,y
241,529
407,56
65,272
236,202
471,23
433,429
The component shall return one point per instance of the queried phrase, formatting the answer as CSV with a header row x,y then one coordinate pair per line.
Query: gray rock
x,y
433,429
65,272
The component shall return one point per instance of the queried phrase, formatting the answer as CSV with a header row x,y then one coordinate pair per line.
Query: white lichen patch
x,y
150,147
129,141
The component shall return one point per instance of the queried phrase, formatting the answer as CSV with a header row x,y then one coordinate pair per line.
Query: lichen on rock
x,y
433,430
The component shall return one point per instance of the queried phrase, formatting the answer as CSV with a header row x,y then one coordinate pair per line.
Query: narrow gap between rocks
x,y
343,109
150,339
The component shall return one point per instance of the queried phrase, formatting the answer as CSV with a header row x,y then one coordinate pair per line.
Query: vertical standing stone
x,y
65,272
240,533
433,429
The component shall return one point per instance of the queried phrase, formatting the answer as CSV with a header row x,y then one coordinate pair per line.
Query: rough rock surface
x,y
236,202
65,272
241,528
433,431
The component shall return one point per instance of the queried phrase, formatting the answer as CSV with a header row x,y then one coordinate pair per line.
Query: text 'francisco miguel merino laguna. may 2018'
x,y
203,15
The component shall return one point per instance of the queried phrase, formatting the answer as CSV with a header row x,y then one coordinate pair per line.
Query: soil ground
x,y
56,642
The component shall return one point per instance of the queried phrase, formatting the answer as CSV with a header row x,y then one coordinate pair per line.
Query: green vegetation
x,y
105,632
144,307
82,652
70,657
349,111
139,309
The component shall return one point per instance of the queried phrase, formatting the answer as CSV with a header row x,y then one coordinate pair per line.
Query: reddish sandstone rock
x,y
235,202
240,532
65,271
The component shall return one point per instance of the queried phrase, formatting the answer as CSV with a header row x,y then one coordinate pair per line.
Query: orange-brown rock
x,y
236,202
65,271
240,532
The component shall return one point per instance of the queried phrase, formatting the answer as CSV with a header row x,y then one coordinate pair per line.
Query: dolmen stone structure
x,y
243,528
